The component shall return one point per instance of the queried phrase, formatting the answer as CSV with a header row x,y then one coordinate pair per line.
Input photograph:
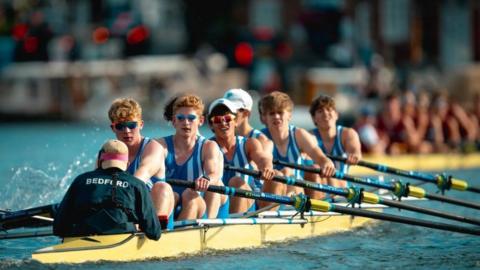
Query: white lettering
x,y
101,181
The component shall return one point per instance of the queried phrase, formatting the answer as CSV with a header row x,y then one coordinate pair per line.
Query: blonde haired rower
x,y
290,142
190,156
146,156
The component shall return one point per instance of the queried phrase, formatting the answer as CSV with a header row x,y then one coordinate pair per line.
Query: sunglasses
x,y
222,118
189,117
123,125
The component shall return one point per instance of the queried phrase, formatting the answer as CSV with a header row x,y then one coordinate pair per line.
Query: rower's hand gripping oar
x,y
356,195
397,187
443,181
303,203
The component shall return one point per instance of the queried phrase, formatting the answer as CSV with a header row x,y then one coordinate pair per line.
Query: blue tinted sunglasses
x,y
122,125
189,117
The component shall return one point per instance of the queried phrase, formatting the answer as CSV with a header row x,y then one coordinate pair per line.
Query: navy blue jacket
x,y
106,201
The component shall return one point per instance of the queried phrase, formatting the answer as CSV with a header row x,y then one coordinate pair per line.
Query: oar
x,y
355,195
17,235
443,181
302,203
32,217
398,188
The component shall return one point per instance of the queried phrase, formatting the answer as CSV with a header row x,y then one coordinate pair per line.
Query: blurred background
x,y
67,60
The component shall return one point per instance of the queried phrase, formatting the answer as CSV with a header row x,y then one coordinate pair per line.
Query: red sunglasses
x,y
222,118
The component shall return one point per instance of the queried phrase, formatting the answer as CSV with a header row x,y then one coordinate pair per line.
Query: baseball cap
x,y
225,102
114,153
240,97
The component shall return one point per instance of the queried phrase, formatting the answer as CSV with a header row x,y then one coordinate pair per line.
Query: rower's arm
x,y
352,145
152,162
258,154
308,144
267,144
212,158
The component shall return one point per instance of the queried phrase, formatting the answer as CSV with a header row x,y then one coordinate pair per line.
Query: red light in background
x,y
19,31
30,44
100,35
137,35
244,54
263,33
284,50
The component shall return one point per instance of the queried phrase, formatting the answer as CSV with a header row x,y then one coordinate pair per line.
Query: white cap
x,y
241,97
223,101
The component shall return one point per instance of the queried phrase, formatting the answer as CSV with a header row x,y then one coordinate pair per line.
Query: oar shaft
x,y
32,217
388,169
405,220
429,211
18,235
237,192
339,175
411,190
294,181
442,181
365,196
452,201
327,207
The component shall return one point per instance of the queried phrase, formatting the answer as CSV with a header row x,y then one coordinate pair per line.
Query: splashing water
x,y
31,187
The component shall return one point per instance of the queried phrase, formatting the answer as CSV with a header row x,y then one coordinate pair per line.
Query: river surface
x,y
39,160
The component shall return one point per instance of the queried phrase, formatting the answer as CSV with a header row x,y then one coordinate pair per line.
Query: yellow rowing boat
x,y
216,234
223,234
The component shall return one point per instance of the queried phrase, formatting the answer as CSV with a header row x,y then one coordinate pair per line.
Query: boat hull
x,y
130,247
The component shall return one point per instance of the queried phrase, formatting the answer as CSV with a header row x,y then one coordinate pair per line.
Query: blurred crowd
x,y
419,122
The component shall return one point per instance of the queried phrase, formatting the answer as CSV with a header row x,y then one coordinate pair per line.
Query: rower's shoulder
x,y
154,146
348,132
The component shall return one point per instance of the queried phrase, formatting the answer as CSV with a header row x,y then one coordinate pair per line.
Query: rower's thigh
x,y
238,182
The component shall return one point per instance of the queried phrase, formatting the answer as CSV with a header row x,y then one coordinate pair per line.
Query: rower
x,y
238,151
107,200
146,156
334,139
289,143
244,102
192,157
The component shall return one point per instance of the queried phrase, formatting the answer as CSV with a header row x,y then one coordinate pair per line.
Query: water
x,y
38,161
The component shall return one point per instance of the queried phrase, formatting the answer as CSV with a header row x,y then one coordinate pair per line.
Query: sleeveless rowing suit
x,y
133,167
254,133
293,154
337,148
239,159
190,170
